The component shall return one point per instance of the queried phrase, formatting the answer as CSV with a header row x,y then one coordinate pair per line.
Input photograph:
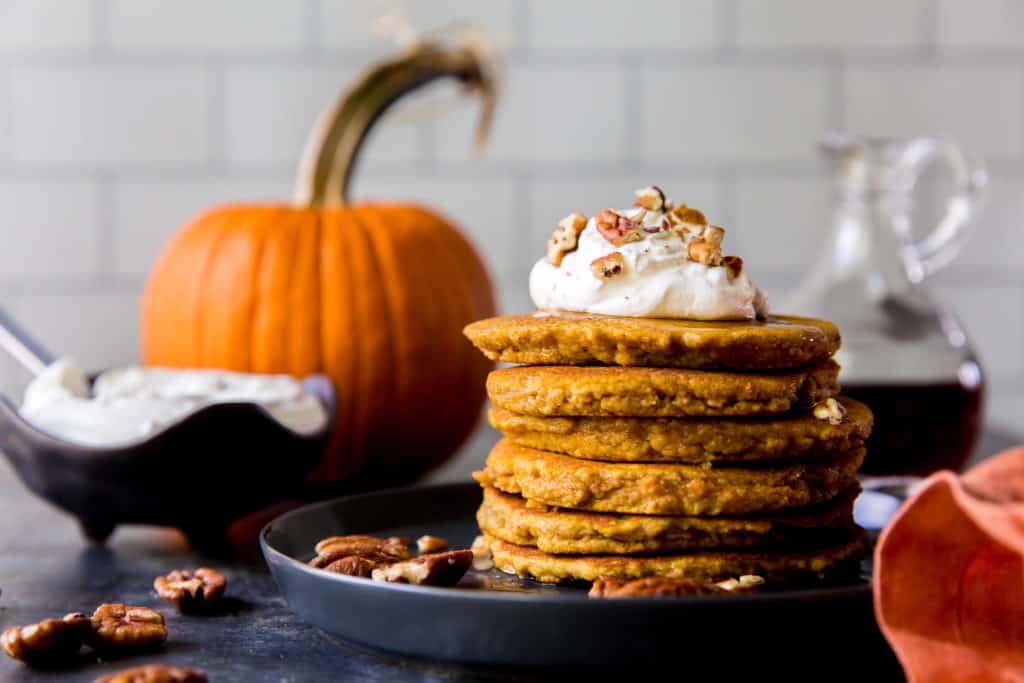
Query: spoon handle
x,y
32,355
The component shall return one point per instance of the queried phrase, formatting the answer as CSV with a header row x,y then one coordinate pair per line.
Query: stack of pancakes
x,y
640,447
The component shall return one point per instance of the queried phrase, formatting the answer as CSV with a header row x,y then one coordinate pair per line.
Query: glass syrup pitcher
x,y
903,354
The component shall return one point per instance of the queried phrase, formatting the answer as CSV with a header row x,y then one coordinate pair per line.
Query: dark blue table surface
x,y
46,570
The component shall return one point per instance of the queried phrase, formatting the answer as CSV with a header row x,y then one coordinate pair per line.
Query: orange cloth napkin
x,y
949,575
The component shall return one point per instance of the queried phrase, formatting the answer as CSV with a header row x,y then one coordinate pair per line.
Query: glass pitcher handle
x,y
943,243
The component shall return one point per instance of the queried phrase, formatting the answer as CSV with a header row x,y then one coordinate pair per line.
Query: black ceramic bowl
x,y
199,474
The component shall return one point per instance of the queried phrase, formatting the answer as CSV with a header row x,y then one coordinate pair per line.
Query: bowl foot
x,y
97,530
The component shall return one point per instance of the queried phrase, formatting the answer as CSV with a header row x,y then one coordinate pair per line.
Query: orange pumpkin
x,y
373,295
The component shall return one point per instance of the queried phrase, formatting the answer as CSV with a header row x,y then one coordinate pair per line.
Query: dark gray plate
x,y
494,620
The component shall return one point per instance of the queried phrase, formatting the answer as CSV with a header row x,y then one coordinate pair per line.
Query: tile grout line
x,y
216,115
312,43
928,25
632,121
728,29
6,114
106,231
835,91
100,28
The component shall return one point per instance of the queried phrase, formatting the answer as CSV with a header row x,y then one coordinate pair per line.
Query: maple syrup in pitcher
x,y
903,354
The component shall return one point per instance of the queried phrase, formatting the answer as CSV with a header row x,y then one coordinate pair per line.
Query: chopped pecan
x,y
48,643
743,584
831,410
734,265
650,198
713,235
616,228
431,544
608,267
125,627
190,591
482,559
377,550
700,251
687,218
155,673
565,237
439,569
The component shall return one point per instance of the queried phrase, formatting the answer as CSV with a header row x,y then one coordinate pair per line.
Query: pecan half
x,y
353,565
47,643
126,627
651,198
440,569
190,591
431,544
616,228
608,267
565,237
155,673
650,587
358,555
376,549
664,587
700,251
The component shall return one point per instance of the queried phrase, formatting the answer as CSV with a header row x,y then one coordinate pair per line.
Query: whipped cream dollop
x,y
131,403
651,273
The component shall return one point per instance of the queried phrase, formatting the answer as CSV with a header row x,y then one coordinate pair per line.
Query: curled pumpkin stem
x,y
333,146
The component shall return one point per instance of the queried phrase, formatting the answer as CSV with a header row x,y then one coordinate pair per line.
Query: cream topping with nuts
x,y
653,260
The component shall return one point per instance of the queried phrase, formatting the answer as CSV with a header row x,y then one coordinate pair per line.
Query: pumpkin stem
x,y
325,170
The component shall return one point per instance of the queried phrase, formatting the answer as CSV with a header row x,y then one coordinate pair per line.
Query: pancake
x,y
656,392
776,567
694,439
553,530
562,338
663,489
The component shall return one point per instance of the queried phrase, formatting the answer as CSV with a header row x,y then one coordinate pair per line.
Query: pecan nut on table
x,y
191,591
155,673
120,628
48,643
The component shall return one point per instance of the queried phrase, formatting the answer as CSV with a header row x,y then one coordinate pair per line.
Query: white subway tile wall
x,y
121,119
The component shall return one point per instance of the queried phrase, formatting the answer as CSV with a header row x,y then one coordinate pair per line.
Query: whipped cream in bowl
x,y
129,404
654,260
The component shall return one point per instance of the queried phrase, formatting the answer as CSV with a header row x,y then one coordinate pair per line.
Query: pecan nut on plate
x,y
358,555
51,642
438,569
117,628
191,591
155,673
666,587
431,544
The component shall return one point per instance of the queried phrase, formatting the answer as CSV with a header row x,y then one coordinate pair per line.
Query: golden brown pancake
x,y
563,338
564,390
554,530
663,489
775,566
688,439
